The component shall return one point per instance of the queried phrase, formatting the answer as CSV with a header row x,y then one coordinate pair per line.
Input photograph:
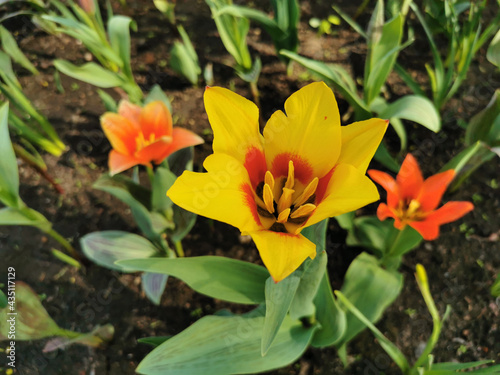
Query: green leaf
x,y
334,76
108,101
371,289
9,176
250,75
107,247
6,71
279,297
223,278
449,368
119,37
91,73
253,14
217,345
405,240
3,300
371,233
317,234
391,349
346,221
408,79
162,181
458,366
153,285
328,313
414,108
382,57
32,320
375,26
459,161
493,53
10,46
184,221
154,341
183,58
65,258
182,63
383,156
378,106
233,32
350,22
15,216
302,304
187,43
495,288
181,161
482,127
136,196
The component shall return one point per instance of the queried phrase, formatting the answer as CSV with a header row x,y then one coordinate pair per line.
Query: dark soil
x,y
461,264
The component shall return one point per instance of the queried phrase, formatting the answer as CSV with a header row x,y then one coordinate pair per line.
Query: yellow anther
x,y
412,208
269,180
307,193
302,211
290,181
285,199
268,198
283,216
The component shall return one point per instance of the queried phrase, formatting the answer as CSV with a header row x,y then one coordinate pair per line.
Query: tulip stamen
x,y
303,210
275,200
308,192
283,216
268,198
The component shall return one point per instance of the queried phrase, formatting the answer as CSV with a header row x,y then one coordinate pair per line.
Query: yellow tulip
x,y
304,168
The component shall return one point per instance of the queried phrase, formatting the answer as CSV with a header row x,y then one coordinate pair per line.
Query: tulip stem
x,y
179,249
151,174
69,249
395,241
389,259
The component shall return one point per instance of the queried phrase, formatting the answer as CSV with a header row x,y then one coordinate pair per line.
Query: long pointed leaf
x,y
224,345
279,297
9,175
218,277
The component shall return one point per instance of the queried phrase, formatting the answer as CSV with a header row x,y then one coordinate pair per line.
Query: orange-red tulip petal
x,y
413,201
140,136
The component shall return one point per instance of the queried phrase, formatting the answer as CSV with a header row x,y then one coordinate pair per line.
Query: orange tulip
x,y
413,201
87,5
143,135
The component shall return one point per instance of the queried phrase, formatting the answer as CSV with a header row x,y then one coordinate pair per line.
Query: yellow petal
x,y
223,194
282,253
360,140
347,190
235,122
310,130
